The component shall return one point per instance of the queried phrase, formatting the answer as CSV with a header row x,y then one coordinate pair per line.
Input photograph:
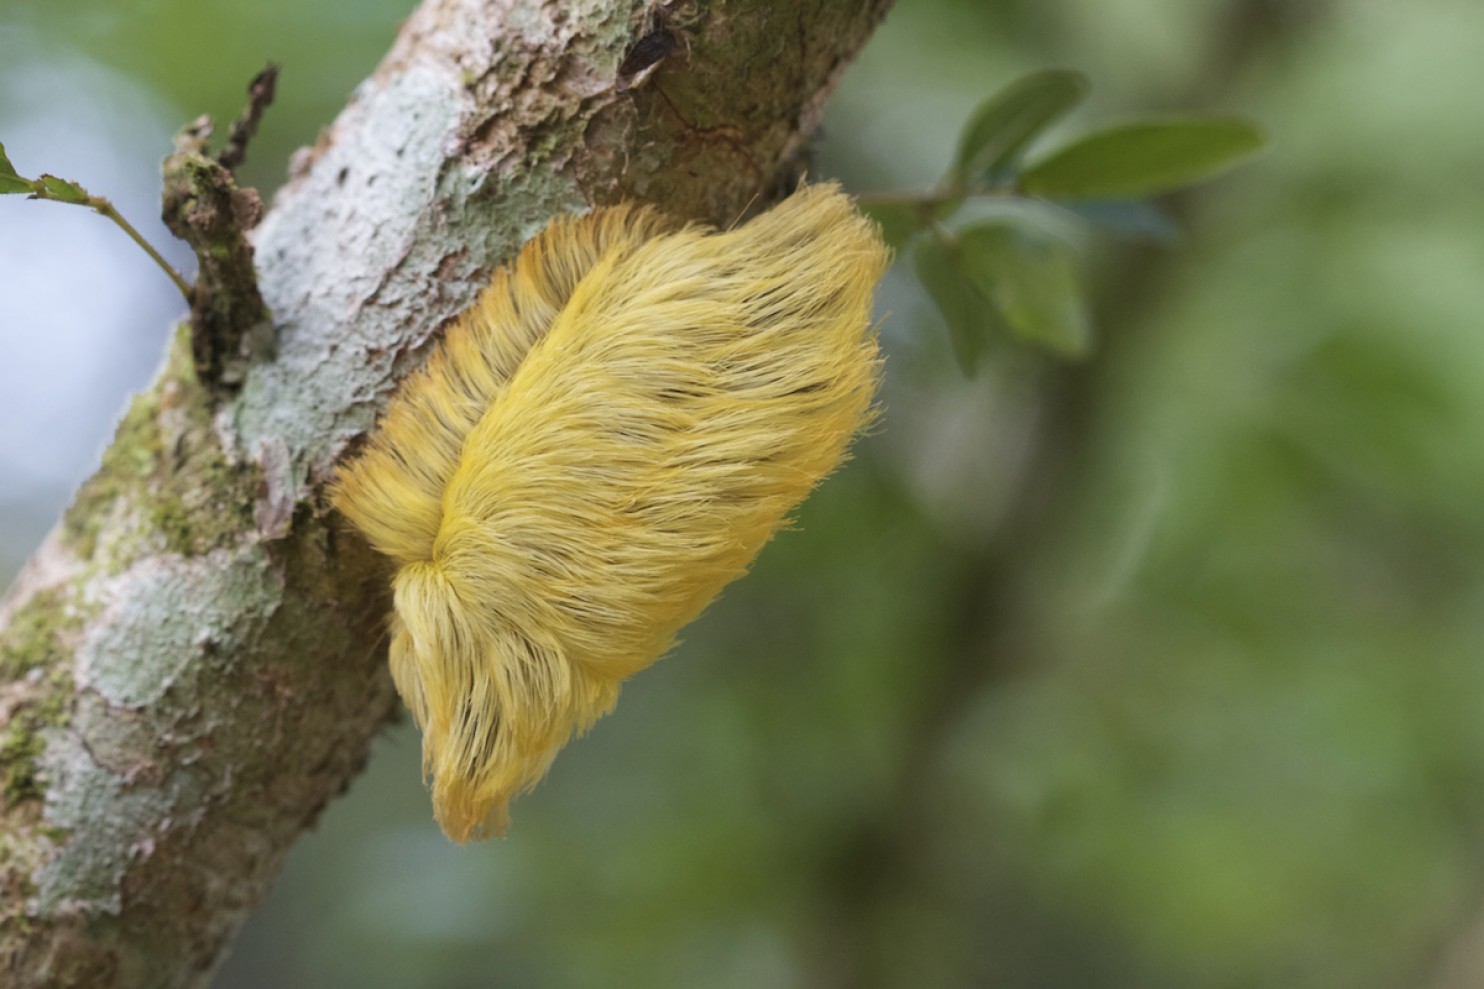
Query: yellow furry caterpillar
x,y
600,444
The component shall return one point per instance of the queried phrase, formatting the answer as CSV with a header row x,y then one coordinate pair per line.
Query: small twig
x,y
57,190
259,97
926,199
929,197
103,207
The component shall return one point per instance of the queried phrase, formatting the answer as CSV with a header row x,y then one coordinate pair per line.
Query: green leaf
x,y
7,170
971,318
1000,128
1032,279
1142,158
10,179
898,221
63,190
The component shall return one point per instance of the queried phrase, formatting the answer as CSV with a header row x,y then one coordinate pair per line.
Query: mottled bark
x,y
192,665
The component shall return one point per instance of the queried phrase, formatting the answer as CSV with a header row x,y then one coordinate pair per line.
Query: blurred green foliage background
x,y
1158,669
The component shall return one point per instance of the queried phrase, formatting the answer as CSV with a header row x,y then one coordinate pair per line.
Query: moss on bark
x,y
165,469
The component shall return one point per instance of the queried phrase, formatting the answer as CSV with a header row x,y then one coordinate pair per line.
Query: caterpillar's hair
x,y
600,444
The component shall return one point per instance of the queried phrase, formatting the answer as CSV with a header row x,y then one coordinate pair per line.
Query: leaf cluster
x,y
1012,277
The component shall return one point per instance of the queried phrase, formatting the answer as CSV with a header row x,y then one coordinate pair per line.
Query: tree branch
x,y
192,665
